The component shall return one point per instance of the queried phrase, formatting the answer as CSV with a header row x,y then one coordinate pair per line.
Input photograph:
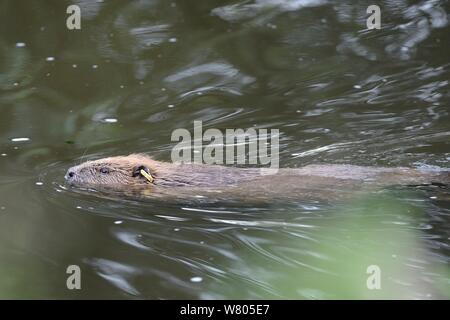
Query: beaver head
x,y
132,170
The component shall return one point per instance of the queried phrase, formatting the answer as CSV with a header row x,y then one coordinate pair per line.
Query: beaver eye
x,y
104,170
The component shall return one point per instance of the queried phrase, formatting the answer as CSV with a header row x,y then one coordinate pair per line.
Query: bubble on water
x,y
110,120
20,44
357,86
122,86
39,183
196,279
170,106
173,40
79,207
74,65
3,154
94,66
20,139
309,207
2,208
16,84
176,229
118,222
50,59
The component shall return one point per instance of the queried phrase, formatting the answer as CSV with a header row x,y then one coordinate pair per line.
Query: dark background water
x,y
137,70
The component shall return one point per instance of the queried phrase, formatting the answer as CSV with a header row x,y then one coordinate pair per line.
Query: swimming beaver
x,y
139,175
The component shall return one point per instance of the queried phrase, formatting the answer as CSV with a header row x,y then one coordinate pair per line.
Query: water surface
x,y
138,70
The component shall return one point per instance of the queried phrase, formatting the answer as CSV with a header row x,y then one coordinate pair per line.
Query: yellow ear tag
x,y
147,175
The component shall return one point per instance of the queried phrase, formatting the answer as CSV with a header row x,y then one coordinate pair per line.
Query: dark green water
x,y
137,70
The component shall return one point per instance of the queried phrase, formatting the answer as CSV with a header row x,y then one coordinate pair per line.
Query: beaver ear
x,y
137,170
143,171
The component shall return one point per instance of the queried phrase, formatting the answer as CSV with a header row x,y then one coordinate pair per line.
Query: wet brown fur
x,y
186,180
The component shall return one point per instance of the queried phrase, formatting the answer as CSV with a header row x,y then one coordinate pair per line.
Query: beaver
x,y
139,175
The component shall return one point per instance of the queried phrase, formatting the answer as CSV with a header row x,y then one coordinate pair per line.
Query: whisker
x,y
84,153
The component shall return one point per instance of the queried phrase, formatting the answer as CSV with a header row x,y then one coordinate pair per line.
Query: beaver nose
x,y
70,174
